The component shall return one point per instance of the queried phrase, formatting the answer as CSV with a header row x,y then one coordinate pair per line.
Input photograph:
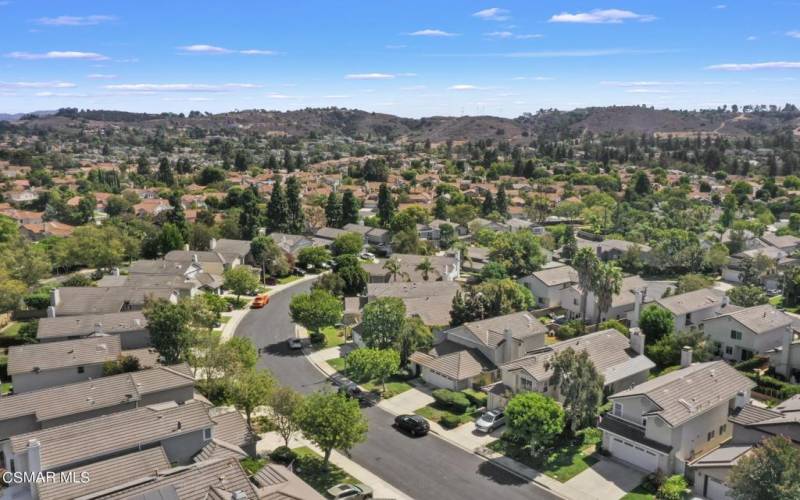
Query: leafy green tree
x,y
490,299
415,336
488,205
580,386
350,208
519,251
296,217
171,238
373,364
313,257
494,271
674,488
354,277
332,421
333,210
285,403
691,282
656,322
269,256
770,471
169,328
791,287
534,419
501,201
569,243
240,280
386,207
395,270
666,351
347,244
316,310
606,284
407,241
382,322
447,235
747,296
425,267
251,389
165,173
278,209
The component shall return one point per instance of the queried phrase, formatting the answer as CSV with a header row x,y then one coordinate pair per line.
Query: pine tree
x,y
297,220
278,209
488,204
385,205
333,210
350,208
501,202
287,160
165,173
143,165
250,216
272,163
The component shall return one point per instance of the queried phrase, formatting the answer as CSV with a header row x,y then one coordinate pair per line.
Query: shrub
x,y
216,392
750,364
477,398
455,401
616,325
674,488
573,328
37,300
450,421
283,455
78,280
317,337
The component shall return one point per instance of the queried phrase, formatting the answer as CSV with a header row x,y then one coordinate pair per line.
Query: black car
x,y
412,424
353,391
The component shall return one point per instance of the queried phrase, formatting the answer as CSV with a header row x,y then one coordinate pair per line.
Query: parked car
x,y
295,343
367,256
299,271
350,491
773,292
490,420
260,301
412,424
352,390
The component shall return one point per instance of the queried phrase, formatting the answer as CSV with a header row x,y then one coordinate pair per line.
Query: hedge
x,y
456,401
771,386
751,364
449,421
477,398
283,455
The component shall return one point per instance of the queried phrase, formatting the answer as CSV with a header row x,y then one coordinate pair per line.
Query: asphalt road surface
x,y
423,468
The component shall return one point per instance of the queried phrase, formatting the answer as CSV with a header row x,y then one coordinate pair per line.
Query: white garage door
x,y
715,489
634,454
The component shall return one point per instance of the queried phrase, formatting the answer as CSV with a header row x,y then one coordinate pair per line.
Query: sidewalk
x,y
229,328
382,489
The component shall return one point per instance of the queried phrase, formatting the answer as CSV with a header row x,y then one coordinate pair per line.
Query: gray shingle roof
x,y
759,319
217,448
724,456
692,301
489,332
231,427
105,474
236,247
54,355
459,365
100,300
557,275
627,430
276,482
688,392
71,443
85,325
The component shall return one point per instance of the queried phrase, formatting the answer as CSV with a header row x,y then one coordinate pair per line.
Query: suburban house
x,y
291,244
82,300
232,249
613,249
444,268
34,410
129,326
375,236
751,425
626,305
38,366
619,359
465,352
788,243
667,422
781,259
548,285
429,301
212,262
693,309
739,334
475,258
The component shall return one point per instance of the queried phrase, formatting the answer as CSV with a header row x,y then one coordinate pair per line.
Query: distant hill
x,y
6,117
362,124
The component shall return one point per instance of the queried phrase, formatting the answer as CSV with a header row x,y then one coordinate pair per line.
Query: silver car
x,y
490,420
350,491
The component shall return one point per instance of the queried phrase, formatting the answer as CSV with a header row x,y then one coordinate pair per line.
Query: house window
x,y
207,434
710,436
525,384
736,335
80,369
728,350
617,410
722,429
574,302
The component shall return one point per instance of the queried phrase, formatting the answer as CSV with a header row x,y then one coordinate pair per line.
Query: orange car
x,y
260,301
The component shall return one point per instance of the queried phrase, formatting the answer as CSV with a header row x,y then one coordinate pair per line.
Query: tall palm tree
x,y
607,283
425,267
393,266
585,262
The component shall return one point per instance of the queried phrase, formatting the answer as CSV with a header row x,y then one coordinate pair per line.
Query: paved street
x,y
424,468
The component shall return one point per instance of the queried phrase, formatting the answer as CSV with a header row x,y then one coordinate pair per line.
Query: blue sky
x,y
411,58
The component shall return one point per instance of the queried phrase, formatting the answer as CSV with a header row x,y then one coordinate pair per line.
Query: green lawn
x,y
435,413
336,363
12,329
288,279
5,387
309,467
333,336
224,319
641,492
777,301
394,386
563,462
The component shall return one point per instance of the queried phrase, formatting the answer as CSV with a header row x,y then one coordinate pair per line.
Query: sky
x,y
410,58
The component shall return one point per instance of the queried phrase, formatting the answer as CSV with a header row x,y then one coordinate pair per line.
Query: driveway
x,y
606,480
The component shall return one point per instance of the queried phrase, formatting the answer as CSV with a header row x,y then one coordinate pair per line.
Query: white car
x,y
367,256
295,343
490,420
350,491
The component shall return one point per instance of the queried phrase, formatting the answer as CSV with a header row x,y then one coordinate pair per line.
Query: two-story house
x,y
129,326
665,423
740,334
474,348
548,285
620,360
692,309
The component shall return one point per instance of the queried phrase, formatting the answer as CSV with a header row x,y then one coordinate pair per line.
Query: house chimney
x,y
742,398
51,312
212,244
686,356
115,271
637,340
34,463
55,297
637,308
186,247
194,258
509,347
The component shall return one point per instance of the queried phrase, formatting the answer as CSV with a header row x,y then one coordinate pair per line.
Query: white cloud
x,y
432,32
755,66
74,20
721,6
511,35
336,96
180,87
463,87
369,76
601,16
493,14
204,49
648,91
751,38
258,52
37,85
187,99
58,54
793,34
59,94
100,76
276,95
